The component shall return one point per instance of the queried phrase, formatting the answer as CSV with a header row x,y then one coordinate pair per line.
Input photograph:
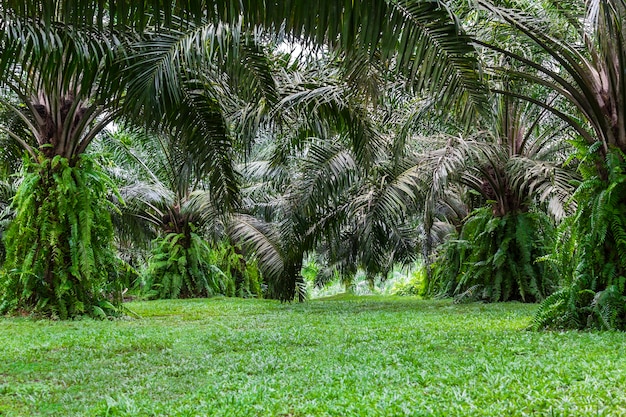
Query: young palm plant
x,y
166,197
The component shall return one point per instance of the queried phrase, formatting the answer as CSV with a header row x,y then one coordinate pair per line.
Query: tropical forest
x,y
312,208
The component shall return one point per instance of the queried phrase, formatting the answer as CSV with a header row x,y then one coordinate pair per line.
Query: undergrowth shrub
x,y
414,285
496,259
60,260
4,223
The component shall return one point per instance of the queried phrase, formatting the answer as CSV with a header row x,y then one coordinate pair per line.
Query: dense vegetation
x,y
187,149
60,259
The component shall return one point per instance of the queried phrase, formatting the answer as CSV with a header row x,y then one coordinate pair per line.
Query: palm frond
x,y
263,241
590,74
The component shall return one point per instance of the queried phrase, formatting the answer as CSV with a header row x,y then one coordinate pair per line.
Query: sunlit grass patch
x,y
348,356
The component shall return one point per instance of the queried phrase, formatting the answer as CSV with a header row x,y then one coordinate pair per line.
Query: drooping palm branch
x,y
427,44
590,65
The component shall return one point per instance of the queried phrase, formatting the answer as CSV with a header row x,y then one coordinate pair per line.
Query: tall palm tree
x,y
584,64
58,246
324,193
292,197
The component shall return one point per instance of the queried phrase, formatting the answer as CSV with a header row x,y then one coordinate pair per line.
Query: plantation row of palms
x,y
219,144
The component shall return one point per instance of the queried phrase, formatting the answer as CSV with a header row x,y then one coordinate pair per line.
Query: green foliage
x,y
310,270
414,285
243,272
186,266
6,214
594,243
496,259
60,260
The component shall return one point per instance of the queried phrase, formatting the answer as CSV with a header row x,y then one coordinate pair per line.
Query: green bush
x,y
414,285
591,254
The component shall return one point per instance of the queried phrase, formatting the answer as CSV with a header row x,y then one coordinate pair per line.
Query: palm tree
x,y
515,169
166,199
584,64
58,246
337,189
356,218
292,197
65,67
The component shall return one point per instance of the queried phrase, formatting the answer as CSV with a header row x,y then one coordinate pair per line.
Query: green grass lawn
x,y
368,356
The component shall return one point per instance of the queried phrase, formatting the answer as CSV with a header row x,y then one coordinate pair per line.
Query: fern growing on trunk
x,y
183,265
59,246
495,259
593,293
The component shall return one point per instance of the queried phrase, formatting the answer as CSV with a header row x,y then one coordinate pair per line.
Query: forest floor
x,y
340,356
